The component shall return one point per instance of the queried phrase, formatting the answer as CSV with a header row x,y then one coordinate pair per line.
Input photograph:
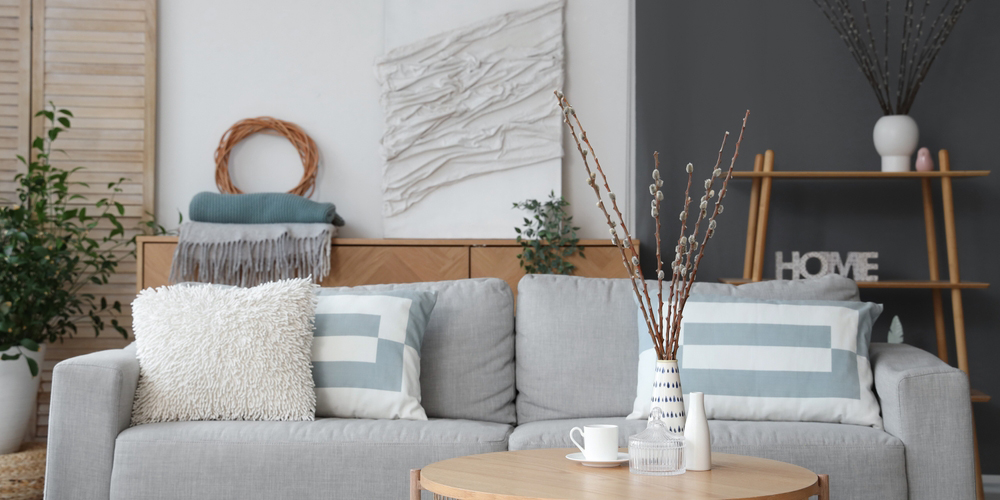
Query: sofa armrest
x,y
91,403
925,403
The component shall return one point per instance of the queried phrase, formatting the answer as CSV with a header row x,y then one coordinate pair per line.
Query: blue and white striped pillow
x,y
366,353
803,360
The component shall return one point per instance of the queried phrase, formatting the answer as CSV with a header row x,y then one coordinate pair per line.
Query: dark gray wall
x,y
700,65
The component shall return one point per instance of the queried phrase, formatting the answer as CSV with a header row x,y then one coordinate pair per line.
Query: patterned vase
x,y
667,395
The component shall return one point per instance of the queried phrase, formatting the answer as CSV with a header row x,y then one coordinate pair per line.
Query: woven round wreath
x,y
267,125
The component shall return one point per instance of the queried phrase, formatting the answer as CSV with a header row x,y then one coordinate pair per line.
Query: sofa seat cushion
x,y
862,462
327,458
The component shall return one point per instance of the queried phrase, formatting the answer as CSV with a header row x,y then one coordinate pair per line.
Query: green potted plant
x,y
51,246
548,238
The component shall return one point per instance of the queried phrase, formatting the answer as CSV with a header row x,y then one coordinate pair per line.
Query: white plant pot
x,y
896,139
18,390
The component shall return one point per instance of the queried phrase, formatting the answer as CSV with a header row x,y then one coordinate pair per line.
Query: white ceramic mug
x,y
601,442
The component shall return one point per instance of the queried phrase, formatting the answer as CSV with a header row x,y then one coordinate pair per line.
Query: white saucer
x,y
578,457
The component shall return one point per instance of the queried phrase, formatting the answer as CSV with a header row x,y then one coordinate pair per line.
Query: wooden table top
x,y
548,474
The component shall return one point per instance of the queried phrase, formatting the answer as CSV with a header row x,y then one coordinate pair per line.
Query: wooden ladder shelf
x,y
763,176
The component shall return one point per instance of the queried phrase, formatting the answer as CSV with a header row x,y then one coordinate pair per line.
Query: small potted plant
x,y
548,238
51,247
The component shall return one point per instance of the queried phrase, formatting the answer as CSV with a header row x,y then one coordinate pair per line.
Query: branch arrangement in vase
x,y
662,322
917,51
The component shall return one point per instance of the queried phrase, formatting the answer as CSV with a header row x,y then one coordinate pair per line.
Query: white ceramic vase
x,y
667,395
698,440
18,390
896,139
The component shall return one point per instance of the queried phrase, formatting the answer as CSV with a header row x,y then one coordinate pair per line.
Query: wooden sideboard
x,y
373,261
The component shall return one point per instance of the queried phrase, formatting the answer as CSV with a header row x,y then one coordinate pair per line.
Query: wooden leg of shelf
x,y
935,272
762,213
942,340
758,164
948,204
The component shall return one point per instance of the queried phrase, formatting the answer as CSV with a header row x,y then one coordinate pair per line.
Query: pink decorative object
x,y
924,161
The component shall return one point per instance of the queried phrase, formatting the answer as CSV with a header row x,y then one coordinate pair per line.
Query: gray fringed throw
x,y
250,254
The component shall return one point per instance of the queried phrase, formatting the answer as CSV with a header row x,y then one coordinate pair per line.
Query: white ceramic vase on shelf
x,y
18,389
667,395
896,139
698,441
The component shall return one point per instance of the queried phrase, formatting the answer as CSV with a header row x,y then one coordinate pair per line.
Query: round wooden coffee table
x,y
543,474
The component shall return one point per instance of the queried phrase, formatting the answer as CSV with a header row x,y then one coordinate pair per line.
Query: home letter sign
x,y
829,262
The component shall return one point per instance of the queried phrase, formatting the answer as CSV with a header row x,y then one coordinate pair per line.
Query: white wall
x,y
310,62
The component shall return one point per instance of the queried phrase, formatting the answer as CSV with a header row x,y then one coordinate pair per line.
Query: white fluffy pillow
x,y
214,353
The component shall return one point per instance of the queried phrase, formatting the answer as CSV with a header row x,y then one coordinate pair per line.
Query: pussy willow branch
x,y
621,220
657,198
675,276
567,110
916,54
708,235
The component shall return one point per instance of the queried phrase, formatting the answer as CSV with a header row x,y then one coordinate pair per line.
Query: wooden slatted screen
x,y
98,59
15,90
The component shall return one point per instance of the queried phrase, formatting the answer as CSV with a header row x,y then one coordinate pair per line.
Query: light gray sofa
x,y
575,363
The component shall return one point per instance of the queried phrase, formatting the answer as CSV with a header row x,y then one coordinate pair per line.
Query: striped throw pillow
x,y
366,353
776,360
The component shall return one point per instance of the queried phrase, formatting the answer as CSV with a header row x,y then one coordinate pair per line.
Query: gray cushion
x,y
467,357
576,344
829,287
328,458
576,347
862,462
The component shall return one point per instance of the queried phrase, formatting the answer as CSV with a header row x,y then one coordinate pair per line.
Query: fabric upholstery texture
x,y
925,403
467,356
213,353
863,462
326,458
575,341
91,403
366,352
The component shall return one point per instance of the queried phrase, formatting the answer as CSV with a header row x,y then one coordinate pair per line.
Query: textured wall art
x,y
858,263
470,121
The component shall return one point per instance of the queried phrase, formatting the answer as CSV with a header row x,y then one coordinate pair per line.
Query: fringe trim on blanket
x,y
250,263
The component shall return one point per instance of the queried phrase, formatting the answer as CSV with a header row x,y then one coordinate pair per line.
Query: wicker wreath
x,y
267,125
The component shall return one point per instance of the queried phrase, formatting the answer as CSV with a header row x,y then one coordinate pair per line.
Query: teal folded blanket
x,y
260,208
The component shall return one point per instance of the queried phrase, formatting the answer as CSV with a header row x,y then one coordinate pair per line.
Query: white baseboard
x,y
991,483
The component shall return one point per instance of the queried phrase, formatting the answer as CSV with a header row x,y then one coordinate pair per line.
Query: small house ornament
x,y
857,263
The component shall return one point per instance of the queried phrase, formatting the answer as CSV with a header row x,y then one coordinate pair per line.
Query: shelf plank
x,y
980,396
895,284
861,174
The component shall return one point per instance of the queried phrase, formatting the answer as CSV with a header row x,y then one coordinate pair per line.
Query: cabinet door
x,y
155,258
368,265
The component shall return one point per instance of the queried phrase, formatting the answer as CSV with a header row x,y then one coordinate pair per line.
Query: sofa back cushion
x,y
467,356
576,342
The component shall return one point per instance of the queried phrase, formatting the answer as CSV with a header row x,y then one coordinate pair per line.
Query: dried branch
x,y
916,54
630,264
685,264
